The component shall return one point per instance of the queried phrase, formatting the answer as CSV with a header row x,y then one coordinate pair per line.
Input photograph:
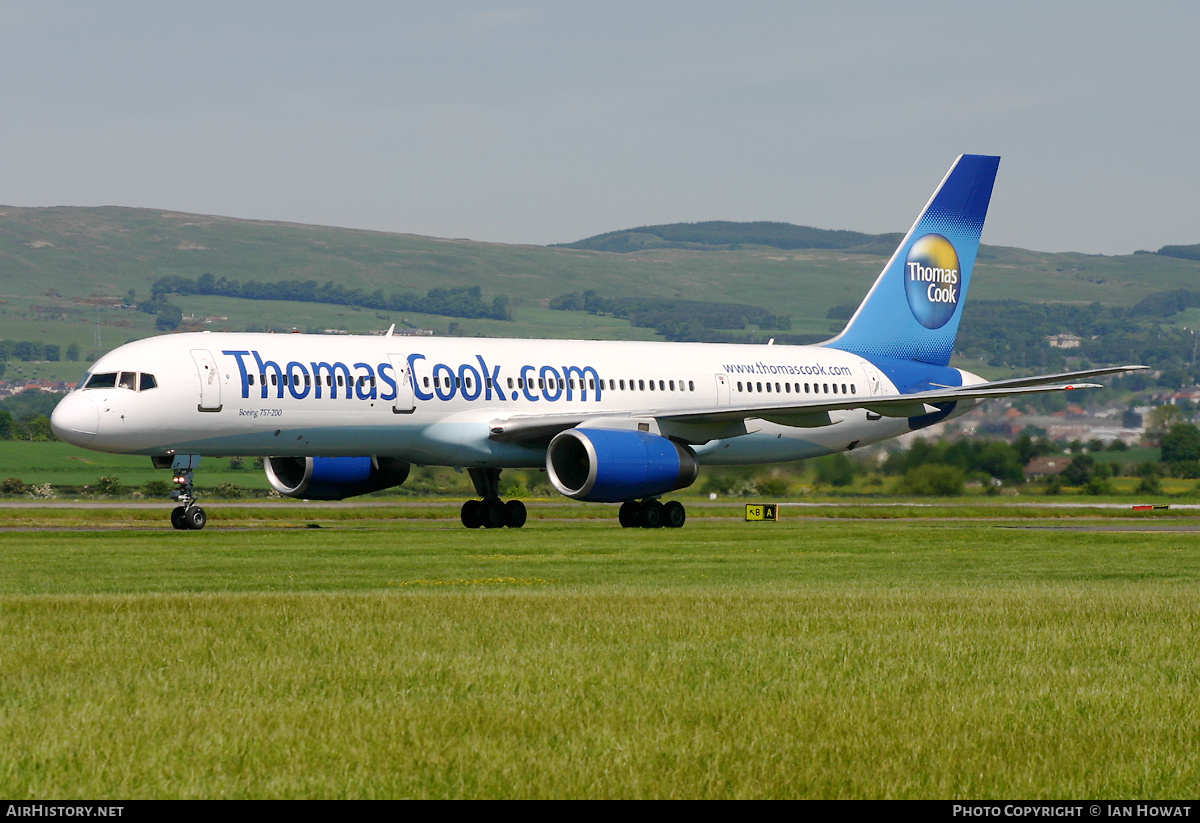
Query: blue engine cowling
x,y
333,478
611,465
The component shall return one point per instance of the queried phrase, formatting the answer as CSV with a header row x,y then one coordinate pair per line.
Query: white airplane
x,y
627,422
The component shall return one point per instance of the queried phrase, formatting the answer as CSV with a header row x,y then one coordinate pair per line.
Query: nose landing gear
x,y
187,516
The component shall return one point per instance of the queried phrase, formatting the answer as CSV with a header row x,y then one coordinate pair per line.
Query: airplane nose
x,y
76,419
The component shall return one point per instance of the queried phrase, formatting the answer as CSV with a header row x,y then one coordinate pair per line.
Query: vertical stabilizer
x,y
912,311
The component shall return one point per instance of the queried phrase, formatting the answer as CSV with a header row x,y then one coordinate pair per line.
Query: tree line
x,y
26,416
31,351
464,301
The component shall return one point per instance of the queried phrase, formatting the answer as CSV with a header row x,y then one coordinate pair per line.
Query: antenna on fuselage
x,y
391,329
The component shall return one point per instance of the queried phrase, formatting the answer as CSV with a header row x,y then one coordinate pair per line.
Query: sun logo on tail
x,y
932,280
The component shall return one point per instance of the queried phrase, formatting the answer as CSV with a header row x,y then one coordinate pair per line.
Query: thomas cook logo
x,y
932,280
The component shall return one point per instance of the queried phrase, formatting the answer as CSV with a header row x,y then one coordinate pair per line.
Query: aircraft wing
x,y
711,422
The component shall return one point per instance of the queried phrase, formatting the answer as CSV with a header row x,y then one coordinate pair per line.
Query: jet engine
x,y
333,478
611,465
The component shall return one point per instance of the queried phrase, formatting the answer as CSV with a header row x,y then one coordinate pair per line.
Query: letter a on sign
x,y
762,512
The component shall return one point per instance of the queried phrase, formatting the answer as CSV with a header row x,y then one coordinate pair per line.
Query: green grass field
x,y
958,652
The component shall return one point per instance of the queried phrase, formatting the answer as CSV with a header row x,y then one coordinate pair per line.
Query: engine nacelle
x,y
333,478
611,465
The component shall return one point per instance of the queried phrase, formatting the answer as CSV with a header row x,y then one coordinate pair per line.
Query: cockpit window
x,y
125,380
101,381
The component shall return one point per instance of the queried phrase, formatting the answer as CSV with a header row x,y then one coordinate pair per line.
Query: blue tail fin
x,y
912,311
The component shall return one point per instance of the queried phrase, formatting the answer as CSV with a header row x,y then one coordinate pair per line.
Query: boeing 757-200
x,y
616,422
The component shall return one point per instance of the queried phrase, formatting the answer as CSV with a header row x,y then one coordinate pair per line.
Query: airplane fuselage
x,y
435,401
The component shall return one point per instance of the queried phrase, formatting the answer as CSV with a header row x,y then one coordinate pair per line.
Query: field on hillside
x,y
64,271
354,651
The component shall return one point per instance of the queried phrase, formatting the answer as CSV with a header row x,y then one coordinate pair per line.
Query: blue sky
x,y
545,122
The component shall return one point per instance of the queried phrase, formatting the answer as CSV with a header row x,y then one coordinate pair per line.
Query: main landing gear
x,y
651,514
491,512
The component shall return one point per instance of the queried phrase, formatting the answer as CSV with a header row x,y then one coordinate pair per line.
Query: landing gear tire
x,y
629,514
472,514
189,519
494,515
514,514
195,518
651,514
674,514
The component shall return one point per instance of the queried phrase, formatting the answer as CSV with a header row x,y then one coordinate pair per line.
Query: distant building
x,y
1064,341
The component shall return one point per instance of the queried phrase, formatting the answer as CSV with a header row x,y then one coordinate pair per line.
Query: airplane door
x,y
874,379
722,389
405,402
210,381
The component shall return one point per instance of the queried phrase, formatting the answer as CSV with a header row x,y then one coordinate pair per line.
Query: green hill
x,y
75,275
723,235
